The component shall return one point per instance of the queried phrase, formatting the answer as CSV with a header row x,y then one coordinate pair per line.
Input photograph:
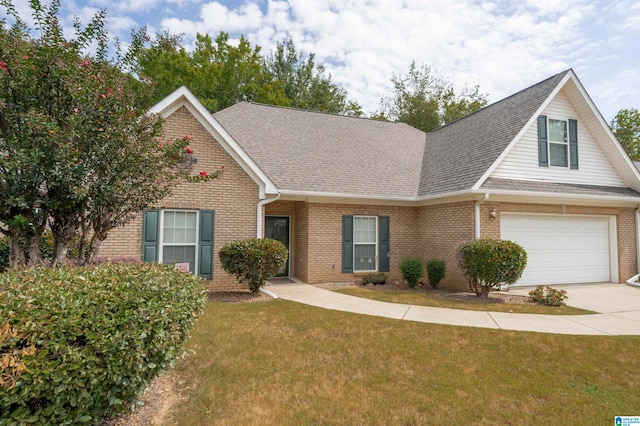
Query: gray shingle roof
x,y
317,152
557,188
457,155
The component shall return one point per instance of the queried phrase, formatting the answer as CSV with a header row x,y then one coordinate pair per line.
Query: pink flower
x,y
84,63
222,167
159,146
3,66
158,180
188,151
110,90
75,109
25,57
204,174
103,96
187,137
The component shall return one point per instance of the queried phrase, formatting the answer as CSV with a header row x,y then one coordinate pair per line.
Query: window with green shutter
x,y
557,142
365,243
180,237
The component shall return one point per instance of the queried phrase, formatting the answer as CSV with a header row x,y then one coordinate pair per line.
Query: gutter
x,y
261,204
634,280
476,208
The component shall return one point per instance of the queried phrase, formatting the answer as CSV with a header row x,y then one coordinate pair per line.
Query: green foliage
x,y
4,254
548,296
218,73
306,83
427,101
78,149
488,263
82,343
254,260
412,270
375,279
626,127
435,271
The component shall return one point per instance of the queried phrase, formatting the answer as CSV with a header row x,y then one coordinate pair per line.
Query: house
x,y
350,195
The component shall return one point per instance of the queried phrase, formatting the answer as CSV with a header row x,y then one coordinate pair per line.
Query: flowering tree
x,y
77,151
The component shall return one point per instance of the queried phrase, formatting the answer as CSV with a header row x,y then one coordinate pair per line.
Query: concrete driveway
x,y
618,307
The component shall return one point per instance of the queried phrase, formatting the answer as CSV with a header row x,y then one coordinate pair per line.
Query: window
x,y
179,238
558,143
365,243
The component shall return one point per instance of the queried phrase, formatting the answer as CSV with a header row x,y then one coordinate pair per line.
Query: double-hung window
x,y
365,243
179,239
557,142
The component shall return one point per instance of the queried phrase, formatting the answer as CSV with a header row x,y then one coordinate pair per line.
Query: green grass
x,y
425,299
284,363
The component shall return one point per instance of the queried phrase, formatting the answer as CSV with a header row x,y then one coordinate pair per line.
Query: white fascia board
x,y
555,197
184,97
523,130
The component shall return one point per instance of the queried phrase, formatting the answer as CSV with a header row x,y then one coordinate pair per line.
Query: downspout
x,y
485,197
638,237
261,204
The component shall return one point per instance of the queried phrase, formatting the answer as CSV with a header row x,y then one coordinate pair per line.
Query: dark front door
x,y
277,228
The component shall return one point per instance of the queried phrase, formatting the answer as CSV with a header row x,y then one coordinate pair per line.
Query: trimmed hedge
x,y
488,263
78,345
436,269
412,270
254,260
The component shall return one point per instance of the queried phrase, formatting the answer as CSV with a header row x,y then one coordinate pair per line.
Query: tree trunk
x,y
94,248
485,291
16,253
63,230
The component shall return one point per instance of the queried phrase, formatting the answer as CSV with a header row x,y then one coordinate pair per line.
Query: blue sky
x,y
501,45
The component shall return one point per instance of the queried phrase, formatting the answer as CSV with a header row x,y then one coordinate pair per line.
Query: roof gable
x,y
183,97
604,162
457,156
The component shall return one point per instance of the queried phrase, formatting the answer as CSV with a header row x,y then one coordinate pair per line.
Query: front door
x,y
277,228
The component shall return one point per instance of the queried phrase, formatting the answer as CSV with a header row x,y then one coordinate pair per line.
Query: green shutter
x,y
383,246
347,244
543,148
150,235
573,143
205,244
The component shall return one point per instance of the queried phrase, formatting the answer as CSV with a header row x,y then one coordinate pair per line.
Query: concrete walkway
x,y
618,307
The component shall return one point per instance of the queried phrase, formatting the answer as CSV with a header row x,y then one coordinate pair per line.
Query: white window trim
x,y
566,143
375,256
162,244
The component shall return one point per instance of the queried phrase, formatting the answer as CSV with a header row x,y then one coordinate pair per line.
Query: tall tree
x,y
306,83
428,101
219,74
626,127
78,151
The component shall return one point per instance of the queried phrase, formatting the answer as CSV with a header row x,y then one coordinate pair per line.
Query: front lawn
x,y
279,362
409,297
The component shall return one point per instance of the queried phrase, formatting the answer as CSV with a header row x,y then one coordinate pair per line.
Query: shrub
x,y
435,271
548,296
489,263
81,343
411,269
253,260
375,279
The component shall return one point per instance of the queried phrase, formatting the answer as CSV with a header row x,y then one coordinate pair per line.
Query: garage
x,y
563,249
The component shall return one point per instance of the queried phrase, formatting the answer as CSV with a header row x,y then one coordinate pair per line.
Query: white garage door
x,y
560,250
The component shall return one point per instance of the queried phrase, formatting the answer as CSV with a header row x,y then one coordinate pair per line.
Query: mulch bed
x,y
238,297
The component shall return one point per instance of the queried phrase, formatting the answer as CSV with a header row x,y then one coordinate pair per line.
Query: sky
x,y
503,46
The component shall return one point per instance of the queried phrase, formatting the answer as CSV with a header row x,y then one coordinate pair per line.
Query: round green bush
x,y
488,263
254,260
435,271
84,342
412,270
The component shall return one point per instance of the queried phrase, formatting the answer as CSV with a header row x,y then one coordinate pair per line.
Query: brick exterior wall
x,y
442,229
233,196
